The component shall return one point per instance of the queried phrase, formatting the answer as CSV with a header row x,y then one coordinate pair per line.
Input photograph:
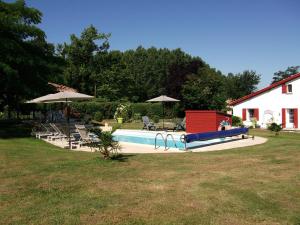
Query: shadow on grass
x,y
14,129
115,158
121,157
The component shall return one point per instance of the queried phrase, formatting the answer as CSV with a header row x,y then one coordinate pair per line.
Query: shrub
x,y
155,110
107,147
137,116
140,108
98,116
107,108
156,118
274,127
87,118
237,121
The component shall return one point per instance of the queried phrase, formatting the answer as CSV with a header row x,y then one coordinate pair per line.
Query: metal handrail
x,y
183,140
166,141
156,140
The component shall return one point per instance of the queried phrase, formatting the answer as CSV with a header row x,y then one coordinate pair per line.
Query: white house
x,y
279,103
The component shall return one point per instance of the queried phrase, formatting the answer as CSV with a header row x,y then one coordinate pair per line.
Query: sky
x,y
229,35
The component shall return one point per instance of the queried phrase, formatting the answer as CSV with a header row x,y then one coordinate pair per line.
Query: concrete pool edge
x,y
239,143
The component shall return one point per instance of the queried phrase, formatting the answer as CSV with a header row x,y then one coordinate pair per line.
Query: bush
x,y
107,147
98,116
156,118
140,108
236,121
107,108
274,127
147,109
137,116
155,110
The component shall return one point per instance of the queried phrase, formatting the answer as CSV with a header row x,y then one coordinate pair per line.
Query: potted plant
x,y
121,113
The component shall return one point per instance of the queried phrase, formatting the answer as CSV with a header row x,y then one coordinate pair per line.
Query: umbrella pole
x,y
68,121
163,115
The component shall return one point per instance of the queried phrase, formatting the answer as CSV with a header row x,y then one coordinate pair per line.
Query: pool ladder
x,y
165,140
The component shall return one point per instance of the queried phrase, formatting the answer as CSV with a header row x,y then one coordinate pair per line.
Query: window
x,y
251,113
289,88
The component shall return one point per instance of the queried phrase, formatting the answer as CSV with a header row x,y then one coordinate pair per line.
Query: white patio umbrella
x,y
39,99
162,99
64,96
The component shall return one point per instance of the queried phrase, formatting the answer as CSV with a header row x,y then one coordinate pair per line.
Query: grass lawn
x,y
42,184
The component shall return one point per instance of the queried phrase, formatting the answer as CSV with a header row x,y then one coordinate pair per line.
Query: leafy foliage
x,y
274,127
107,147
204,90
98,116
280,75
237,121
241,84
27,61
123,111
80,57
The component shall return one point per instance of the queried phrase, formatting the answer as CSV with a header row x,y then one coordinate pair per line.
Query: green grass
x,y
42,184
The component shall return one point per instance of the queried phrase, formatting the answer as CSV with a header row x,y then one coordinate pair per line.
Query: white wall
x,y
273,100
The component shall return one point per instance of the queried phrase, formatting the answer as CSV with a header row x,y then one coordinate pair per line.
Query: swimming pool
x,y
148,138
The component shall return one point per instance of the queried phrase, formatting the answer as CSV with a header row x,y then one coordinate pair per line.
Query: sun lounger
x,y
180,126
45,132
86,137
147,124
58,133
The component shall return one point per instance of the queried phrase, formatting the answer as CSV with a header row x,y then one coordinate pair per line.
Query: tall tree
x,y
204,90
80,58
178,73
280,75
140,74
27,61
241,84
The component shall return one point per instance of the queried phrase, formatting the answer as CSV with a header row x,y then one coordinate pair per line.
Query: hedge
x,y
108,109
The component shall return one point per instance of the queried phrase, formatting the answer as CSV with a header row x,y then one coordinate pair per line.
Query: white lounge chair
x,y
45,132
86,137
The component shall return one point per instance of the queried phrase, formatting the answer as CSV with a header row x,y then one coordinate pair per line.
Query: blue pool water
x,y
148,138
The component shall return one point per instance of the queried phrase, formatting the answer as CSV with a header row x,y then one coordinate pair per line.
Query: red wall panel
x,y
256,114
296,118
284,89
283,118
244,114
198,121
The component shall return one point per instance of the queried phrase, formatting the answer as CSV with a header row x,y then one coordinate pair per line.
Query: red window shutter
x,y
283,118
284,88
256,114
244,115
296,118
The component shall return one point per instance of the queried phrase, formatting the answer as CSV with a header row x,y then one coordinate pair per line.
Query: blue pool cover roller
x,y
215,134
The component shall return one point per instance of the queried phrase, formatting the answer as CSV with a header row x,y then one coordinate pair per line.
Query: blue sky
x,y
230,35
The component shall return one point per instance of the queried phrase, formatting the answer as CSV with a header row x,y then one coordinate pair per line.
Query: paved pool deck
x,y
130,148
